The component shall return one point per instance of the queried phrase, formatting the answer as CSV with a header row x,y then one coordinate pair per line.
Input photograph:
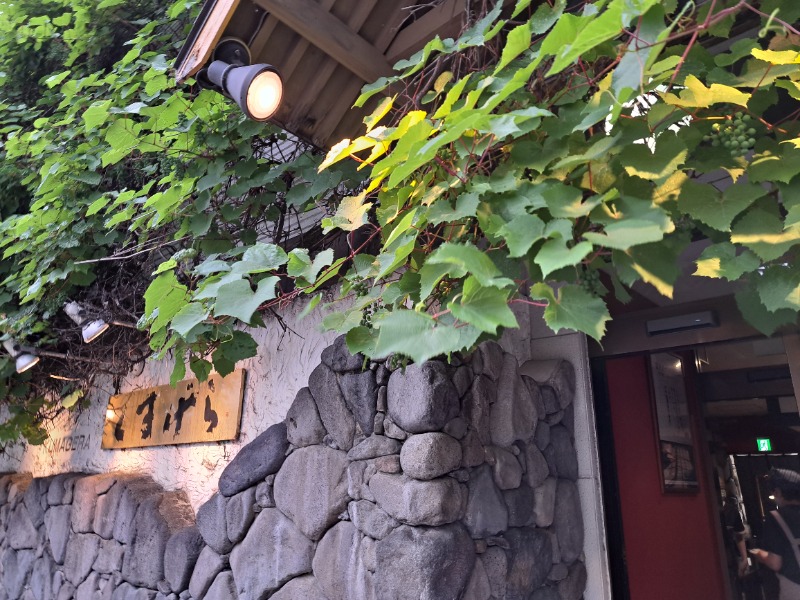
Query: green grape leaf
x,y
237,299
485,308
419,336
571,307
722,261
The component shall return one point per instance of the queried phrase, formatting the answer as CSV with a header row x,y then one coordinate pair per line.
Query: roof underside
x,y
325,50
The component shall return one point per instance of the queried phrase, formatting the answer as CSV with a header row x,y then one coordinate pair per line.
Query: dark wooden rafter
x,y
325,50
330,35
202,46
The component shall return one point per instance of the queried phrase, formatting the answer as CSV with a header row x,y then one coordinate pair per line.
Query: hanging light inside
x,y
91,329
23,359
257,89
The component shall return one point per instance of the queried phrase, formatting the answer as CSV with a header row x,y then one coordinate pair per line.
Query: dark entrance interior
x,y
670,542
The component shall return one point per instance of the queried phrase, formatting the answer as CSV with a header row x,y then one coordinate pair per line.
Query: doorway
x,y
670,541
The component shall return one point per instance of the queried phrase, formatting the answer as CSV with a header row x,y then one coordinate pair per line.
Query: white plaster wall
x,y
535,341
285,361
282,367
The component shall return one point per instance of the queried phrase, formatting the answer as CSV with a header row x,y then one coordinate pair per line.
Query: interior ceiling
x,y
325,50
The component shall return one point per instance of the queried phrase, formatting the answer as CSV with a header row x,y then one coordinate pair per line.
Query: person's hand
x,y
742,567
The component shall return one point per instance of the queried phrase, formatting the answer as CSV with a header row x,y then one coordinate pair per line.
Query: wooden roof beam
x,y
207,38
445,19
330,35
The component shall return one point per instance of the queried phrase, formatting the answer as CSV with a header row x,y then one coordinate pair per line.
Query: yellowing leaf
x,y
697,95
777,57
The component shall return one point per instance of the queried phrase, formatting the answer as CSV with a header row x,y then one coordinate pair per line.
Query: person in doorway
x,y
780,538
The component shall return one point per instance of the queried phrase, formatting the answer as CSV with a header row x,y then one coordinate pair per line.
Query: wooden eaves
x,y
325,50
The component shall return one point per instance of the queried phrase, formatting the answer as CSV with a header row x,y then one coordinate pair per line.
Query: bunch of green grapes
x,y
737,134
359,286
590,281
367,313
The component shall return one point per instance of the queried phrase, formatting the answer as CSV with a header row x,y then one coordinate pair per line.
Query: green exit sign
x,y
764,444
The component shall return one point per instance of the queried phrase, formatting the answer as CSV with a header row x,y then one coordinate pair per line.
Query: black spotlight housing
x,y
257,89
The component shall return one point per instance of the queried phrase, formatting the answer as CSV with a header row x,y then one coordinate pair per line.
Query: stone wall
x,y
437,481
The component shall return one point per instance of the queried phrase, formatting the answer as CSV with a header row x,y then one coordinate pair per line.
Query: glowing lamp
x,y
22,360
90,329
257,89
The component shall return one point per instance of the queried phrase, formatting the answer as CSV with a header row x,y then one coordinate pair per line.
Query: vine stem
x,y
529,302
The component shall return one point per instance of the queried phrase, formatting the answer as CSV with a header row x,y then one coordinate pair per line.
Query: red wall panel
x,y
670,540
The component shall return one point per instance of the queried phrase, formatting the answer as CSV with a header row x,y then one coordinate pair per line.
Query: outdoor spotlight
x,y
91,329
257,89
24,360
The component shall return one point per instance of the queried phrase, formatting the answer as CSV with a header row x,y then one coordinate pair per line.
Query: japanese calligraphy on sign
x,y
164,415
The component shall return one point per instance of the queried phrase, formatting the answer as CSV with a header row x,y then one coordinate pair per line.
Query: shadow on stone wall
x,y
435,482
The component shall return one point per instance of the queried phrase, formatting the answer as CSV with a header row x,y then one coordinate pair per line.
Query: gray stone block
x,y
42,578
17,567
223,588
544,502
520,503
542,438
80,555
478,587
491,360
273,552
239,514
87,489
486,512
373,447
529,562
32,500
556,374
462,379
109,557
430,455
472,452
209,565
107,508
303,424
265,495
422,398
477,407
574,584
261,457
536,468
136,491
87,589
57,529
563,452
456,428
55,491
300,588
568,521
336,416
370,520
513,415
311,488
391,429
213,524
338,358
495,562
388,464
424,563
360,395
434,502
20,532
157,519
546,593
181,554
339,567
506,469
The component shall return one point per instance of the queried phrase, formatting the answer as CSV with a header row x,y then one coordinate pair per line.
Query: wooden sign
x,y
187,413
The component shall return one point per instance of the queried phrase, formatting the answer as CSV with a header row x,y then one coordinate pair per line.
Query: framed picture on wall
x,y
673,424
